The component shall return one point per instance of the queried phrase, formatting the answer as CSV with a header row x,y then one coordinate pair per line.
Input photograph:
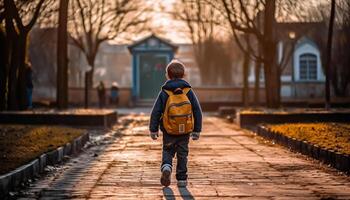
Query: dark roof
x,y
301,29
165,41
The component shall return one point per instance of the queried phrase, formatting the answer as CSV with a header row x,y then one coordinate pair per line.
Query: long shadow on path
x,y
168,193
184,192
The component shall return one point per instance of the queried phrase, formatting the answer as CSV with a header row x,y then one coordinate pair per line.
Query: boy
x,y
178,114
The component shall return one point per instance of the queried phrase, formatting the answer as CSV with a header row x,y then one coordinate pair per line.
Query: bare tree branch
x,y
15,15
204,26
95,21
35,16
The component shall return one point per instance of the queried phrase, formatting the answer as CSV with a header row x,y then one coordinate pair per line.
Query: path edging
x,y
106,120
335,159
252,120
11,180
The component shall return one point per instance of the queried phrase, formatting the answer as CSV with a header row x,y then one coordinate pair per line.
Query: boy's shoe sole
x,y
165,179
182,183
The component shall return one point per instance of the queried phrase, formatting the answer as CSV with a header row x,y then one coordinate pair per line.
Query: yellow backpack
x,y
178,116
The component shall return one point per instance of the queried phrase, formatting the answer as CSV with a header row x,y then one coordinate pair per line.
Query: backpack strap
x,y
186,90
170,93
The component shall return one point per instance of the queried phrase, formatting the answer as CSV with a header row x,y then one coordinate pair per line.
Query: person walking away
x,y
101,91
29,85
114,94
178,114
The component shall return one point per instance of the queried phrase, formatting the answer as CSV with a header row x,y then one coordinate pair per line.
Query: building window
x,y
308,67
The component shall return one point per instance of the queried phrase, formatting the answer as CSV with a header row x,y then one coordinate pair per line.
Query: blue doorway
x,y
150,57
151,74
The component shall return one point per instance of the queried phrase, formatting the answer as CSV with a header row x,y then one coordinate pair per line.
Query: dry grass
x,y
335,136
282,111
66,112
19,144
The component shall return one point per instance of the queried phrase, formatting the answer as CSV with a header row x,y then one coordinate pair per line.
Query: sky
x,y
165,26
168,27
162,23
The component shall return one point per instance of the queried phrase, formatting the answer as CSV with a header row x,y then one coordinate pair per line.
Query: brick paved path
x,y
227,163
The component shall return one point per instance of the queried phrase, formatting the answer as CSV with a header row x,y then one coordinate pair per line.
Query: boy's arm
x,y
156,113
197,111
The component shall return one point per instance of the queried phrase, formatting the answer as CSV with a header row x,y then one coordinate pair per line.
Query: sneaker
x,y
165,179
182,183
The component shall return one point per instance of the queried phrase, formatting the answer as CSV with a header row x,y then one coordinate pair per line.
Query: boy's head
x,y
175,70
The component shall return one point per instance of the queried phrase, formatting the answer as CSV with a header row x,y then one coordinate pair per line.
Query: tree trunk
x,y
257,83
21,82
245,91
3,69
12,47
89,76
203,61
272,72
88,86
12,103
86,90
91,61
339,80
62,69
17,98
329,55
17,51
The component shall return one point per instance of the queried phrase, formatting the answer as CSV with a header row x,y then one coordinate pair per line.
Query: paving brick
x,y
226,163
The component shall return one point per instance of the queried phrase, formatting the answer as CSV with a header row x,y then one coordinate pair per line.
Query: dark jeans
x,y
176,145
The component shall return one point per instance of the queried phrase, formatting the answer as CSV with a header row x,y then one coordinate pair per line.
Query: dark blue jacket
x,y
159,106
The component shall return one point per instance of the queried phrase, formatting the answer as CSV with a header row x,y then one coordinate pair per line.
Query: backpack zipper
x,y
178,104
184,115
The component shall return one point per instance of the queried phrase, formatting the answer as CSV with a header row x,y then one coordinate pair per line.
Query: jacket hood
x,y
175,83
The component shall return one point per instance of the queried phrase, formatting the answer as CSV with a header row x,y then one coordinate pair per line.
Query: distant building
x,y
302,46
302,76
114,63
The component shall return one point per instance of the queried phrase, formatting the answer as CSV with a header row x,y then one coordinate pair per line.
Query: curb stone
x,y
316,152
5,182
11,180
77,144
60,151
42,162
304,148
68,149
341,160
309,149
331,158
52,157
35,168
323,155
327,156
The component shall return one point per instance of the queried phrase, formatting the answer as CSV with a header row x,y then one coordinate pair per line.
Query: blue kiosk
x,y
150,56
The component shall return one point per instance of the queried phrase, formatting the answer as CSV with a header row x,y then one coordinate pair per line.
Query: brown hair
x,y
175,69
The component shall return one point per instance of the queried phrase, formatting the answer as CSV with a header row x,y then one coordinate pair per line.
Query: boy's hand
x,y
195,135
154,135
